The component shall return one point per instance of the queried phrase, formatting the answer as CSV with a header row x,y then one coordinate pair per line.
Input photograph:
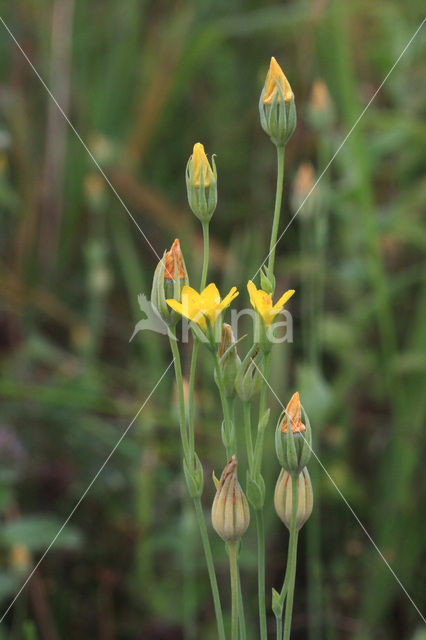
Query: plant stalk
x,y
233,570
277,210
292,557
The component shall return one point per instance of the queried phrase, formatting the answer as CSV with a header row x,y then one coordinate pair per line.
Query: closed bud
x,y
201,184
229,360
320,111
283,498
250,374
276,106
170,277
230,510
293,439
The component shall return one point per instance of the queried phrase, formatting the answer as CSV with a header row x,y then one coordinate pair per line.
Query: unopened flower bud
x,y
170,277
276,106
303,193
229,360
293,439
230,510
320,107
250,374
283,498
201,184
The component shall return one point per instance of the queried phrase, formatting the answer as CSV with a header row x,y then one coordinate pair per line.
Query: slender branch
x,y
248,434
277,210
210,568
181,398
261,572
233,570
191,391
292,556
206,255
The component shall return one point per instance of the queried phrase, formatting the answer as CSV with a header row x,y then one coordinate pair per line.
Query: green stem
x,y
261,572
233,570
241,614
292,556
279,622
230,449
194,356
248,434
277,210
206,255
210,568
258,450
181,398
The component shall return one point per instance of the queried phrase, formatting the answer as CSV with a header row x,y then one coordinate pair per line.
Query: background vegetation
x,y
141,81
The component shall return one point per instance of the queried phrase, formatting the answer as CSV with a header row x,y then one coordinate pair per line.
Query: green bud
x,y
277,107
201,184
250,374
229,361
293,442
194,478
283,498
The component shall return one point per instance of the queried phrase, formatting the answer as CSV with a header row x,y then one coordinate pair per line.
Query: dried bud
x,y
201,184
283,498
276,106
230,510
250,374
170,277
229,360
293,440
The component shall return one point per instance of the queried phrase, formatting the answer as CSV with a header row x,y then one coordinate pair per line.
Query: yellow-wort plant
x,y
246,380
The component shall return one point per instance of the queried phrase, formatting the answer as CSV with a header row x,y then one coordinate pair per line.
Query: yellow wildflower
x,y
197,307
262,302
275,74
201,163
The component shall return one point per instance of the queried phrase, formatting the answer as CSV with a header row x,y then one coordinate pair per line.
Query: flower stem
x,y
248,434
181,398
210,568
191,385
292,556
258,450
241,614
197,501
261,572
277,210
233,570
229,428
206,255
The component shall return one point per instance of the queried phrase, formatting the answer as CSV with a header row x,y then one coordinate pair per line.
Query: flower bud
x,y
276,106
170,277
283,498
201,184
230,510
229,360
293,440
250,374
320,110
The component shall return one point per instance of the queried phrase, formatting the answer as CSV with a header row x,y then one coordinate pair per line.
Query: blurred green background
x,y
142,81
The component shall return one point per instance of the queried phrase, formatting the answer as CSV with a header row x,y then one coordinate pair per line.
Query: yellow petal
x,y
281,302
229,298
200,164
251,288
175,305
210,295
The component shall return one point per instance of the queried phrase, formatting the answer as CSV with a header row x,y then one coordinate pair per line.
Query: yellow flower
x,y
262,302
276,73
201,163
197,307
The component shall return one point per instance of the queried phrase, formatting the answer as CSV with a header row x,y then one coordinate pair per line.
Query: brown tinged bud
x,y
174,262
230,510
170,277
293,440
283,498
